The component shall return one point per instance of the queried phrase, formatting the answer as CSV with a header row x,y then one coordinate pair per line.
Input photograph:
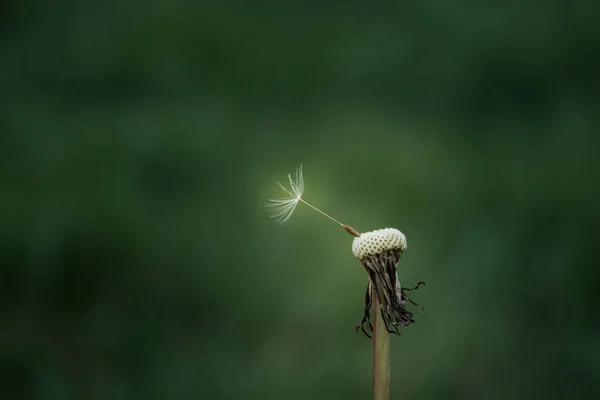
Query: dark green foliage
x,y
139,141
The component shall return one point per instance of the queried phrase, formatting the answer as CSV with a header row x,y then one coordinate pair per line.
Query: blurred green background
x,y
140,140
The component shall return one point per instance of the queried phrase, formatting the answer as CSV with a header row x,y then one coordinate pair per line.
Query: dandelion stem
x,y
381,353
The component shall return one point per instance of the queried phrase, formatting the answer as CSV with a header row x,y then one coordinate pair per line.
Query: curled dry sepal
x,y
379,251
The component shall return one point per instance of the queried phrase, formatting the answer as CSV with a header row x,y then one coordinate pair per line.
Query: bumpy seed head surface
x,y
377,242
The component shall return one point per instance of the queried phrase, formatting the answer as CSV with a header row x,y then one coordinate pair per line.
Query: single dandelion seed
x,y
282,209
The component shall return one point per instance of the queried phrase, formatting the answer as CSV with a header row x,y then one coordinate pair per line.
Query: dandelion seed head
x,y
377,242
282,209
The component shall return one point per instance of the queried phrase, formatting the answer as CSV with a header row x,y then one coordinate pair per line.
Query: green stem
x,y
381,354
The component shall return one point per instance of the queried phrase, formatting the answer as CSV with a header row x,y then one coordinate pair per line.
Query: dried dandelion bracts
x,y
379,252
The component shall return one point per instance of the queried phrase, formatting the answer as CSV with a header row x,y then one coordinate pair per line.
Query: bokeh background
x,y
140,140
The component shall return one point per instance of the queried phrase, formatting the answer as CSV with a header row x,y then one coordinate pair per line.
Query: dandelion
x,y
379,252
